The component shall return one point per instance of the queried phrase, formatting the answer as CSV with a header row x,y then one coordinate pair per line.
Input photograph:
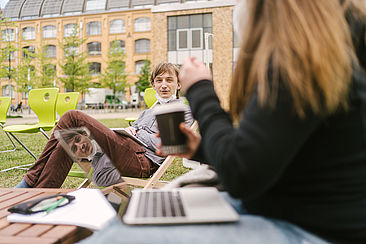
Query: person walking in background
x,y
296,155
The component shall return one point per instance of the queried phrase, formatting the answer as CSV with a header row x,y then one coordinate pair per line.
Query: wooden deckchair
x,y
152,182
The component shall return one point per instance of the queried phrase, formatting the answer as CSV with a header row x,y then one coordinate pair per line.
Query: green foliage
x,y
7,52
143,81
47,71
115,76
26,75
76,75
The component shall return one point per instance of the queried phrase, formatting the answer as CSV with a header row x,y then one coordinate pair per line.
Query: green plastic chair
x,y
4,107
66,102
149,97
150,100
43,103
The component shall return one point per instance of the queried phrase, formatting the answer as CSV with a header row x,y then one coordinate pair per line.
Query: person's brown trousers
x,y
53,165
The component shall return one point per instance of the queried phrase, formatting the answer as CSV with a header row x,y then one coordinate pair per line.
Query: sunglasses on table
x,y
44,204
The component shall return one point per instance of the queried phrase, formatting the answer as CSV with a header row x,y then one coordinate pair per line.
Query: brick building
x,y
158,30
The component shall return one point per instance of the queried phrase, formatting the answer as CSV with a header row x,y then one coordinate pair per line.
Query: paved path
x,y
32,118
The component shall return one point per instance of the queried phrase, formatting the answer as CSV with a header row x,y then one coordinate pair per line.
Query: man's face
x,y
166,84
81,146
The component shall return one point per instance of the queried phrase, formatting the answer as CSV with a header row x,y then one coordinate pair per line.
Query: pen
x,y
55,205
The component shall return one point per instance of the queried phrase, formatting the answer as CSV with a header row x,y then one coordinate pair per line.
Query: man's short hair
x,y
164,68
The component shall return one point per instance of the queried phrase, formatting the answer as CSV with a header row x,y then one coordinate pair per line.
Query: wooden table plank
x,y
36,230
59,230
18,199
14,229
26,240
34,233
3,223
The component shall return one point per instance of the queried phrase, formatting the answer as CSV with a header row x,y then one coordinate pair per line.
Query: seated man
x,y
126,155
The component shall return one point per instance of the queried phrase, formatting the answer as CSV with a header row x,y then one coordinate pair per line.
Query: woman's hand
x,y
193,142
192,72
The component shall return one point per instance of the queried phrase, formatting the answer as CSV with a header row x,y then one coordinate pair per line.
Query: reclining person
x,y
127,156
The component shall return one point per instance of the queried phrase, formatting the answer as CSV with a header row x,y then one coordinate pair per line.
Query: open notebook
x,y
178,206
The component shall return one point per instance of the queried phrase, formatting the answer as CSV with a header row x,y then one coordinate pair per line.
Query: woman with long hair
x,y
293,146
299,97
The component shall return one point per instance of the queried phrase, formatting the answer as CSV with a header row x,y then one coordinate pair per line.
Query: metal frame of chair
x,y
43,103
4,107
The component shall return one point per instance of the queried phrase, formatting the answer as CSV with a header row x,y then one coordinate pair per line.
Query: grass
x,y
36,143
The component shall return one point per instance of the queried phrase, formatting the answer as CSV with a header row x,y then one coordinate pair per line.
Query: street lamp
x,y
207,35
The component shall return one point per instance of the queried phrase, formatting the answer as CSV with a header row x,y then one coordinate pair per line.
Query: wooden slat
x,y
36,230
3,193
4,213
18,199
3,223
26,240
52,190
11,195
14,229
59,231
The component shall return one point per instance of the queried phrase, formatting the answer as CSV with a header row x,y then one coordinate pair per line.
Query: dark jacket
x,y
310,172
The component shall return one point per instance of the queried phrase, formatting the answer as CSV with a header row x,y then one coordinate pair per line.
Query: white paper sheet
x,y
90,209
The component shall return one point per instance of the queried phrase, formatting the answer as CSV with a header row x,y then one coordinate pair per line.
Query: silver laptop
x,y
178,206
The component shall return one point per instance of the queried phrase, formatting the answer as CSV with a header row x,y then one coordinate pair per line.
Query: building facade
x,y
160,30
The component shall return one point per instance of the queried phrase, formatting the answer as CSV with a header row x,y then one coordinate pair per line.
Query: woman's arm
x,y
251,158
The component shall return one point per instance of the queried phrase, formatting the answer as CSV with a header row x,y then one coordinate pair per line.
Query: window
x,y
93,28
117,26
117,44
50,51
71,50
8,35
186,32
49,31
138,66
69,30
28,33
28,52
93,5
8,91
142,24
94,48
142,46
94,68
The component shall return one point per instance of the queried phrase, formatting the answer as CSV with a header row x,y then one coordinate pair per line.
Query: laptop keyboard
x,y
160,204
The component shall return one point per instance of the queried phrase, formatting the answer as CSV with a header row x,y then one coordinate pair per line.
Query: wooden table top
x,y
34,233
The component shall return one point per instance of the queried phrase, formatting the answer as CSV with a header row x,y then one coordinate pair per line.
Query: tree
x,y
46,70
8,51
144,77
25,75
76,75
115,76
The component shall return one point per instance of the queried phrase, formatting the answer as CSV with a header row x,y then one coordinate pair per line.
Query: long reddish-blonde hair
x,y
308,45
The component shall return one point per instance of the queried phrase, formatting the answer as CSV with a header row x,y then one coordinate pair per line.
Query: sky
x,y
3,3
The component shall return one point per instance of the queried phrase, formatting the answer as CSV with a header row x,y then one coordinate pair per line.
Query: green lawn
x,y
36,142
